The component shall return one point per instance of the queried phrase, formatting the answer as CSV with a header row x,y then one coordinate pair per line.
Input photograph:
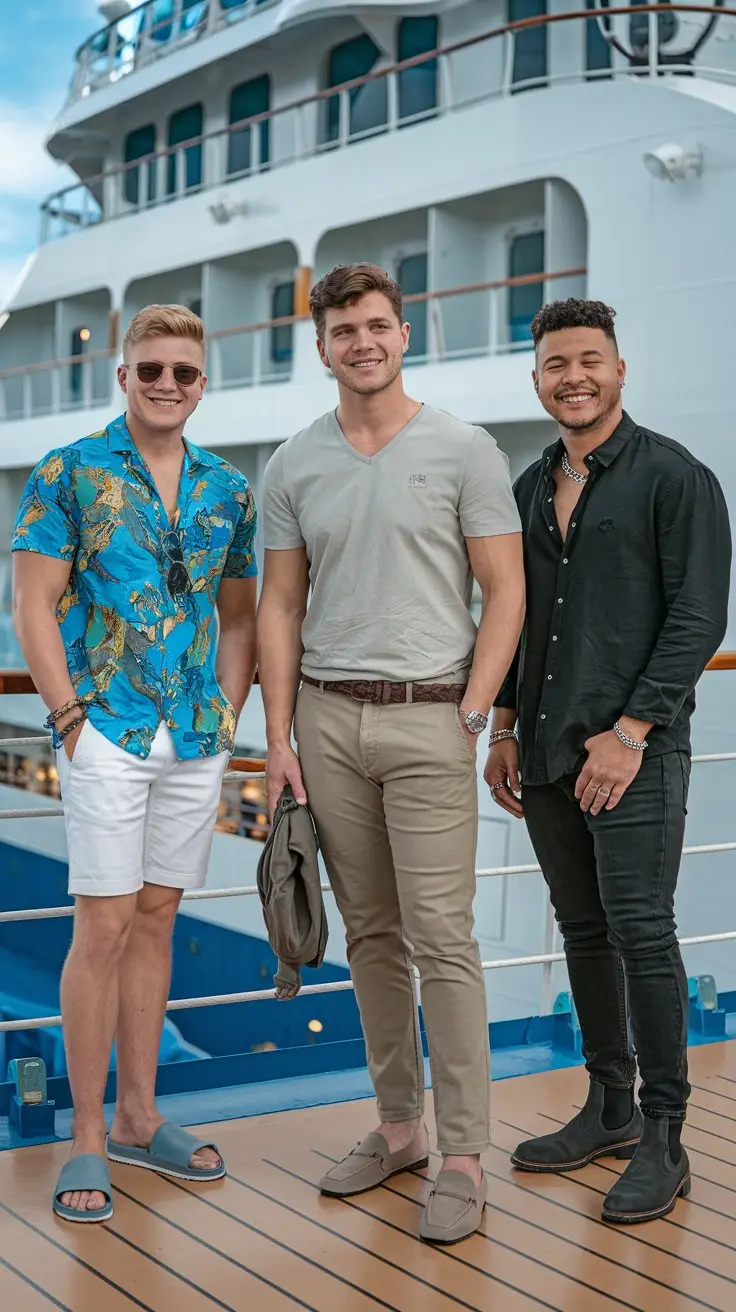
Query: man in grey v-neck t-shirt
x,y
385,539
376,518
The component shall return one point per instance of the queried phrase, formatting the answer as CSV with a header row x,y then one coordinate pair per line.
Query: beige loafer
x,y
454,1208
368,1166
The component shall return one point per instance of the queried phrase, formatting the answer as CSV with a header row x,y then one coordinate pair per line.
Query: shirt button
x,y
559,601
543,717
551,528
564,560
554,637
549,676
573,525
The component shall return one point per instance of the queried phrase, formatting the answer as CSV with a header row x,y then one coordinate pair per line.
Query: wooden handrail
x,y
41,365
287,320
427,56
20,681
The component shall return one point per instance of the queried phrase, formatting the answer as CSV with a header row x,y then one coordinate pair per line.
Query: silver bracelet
x,y
500,735
627,740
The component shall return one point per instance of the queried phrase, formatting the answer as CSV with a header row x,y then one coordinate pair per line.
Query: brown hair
x,y
163,321
346,284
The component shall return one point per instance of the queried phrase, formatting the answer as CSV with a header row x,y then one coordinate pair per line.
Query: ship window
x,y
138,144
80,337
411,276
367,104
597,49
282,305
247,100
526,255
184,167
417,86
530,46
161,15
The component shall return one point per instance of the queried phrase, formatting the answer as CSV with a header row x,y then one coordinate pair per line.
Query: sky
x,y
38,39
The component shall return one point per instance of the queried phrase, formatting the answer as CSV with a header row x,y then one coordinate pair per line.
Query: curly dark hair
x,y
346,284
574,313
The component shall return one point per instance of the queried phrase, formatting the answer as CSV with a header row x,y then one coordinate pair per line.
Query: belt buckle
x,y
385,692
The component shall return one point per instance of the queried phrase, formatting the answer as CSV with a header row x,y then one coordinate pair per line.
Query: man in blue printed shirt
x,y
134,601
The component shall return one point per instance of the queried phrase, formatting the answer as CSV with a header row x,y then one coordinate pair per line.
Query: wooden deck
x,y
264,1239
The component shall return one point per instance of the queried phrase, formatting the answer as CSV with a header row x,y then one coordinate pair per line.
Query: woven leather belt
x,y
384,692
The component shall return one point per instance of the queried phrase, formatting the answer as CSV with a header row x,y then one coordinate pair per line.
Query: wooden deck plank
x,y
582,1191
264,1239
77,1284
692,1214
293,1184
218,1216
185,1249
361,1276
697,1267
24,1294
714,1181
489,1254
579,1262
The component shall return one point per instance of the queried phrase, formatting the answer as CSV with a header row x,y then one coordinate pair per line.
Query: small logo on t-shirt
x,y
417,480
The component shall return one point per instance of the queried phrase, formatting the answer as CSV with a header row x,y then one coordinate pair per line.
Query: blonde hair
x,y
163,321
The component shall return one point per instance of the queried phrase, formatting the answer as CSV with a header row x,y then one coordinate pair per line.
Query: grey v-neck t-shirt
x,y
390,578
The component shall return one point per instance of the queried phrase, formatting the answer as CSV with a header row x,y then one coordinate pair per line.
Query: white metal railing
x,y
149,32
546,959
388,99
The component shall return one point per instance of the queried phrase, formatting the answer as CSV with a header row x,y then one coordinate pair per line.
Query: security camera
x,y
672,163
112,10
223,211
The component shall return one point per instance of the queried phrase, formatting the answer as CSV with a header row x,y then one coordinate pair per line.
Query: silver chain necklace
x,y
569,472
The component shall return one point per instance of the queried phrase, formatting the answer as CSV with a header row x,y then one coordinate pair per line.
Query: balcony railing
x,y
340,116
447,324
149,32
19,681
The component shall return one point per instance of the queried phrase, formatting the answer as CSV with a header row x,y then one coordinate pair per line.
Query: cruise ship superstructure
x,y
491,156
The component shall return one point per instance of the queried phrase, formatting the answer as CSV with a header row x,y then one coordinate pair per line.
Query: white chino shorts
x,y
131,821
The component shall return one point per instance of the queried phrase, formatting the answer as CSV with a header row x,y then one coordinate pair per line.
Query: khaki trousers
x,y
393,793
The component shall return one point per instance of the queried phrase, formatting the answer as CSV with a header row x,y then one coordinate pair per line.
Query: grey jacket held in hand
x,y
291,897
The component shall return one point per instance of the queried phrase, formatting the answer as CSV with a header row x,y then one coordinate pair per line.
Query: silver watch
x,y
475,721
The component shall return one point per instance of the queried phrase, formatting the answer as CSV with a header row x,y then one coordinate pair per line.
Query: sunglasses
x,y
177,579
184,374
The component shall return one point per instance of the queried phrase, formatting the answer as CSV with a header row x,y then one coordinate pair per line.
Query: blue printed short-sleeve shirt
x,y
142,653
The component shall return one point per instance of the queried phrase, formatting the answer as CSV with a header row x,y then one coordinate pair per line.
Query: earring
x,y
622,384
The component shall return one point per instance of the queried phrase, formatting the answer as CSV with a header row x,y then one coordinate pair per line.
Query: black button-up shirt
x,y
624,615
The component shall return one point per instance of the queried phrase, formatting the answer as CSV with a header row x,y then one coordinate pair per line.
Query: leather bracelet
x,y
53,716
58,736
627,740
500,735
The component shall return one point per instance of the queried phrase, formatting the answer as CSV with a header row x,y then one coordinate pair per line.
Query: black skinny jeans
x,y
612,880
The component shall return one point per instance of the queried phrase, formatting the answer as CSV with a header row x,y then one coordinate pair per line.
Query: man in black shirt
x,y
628,554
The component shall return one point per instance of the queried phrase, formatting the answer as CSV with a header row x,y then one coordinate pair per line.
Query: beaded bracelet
x,y
58,735
53,716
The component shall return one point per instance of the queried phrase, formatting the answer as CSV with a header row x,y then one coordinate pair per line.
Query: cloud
x,y
26,171
27,175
